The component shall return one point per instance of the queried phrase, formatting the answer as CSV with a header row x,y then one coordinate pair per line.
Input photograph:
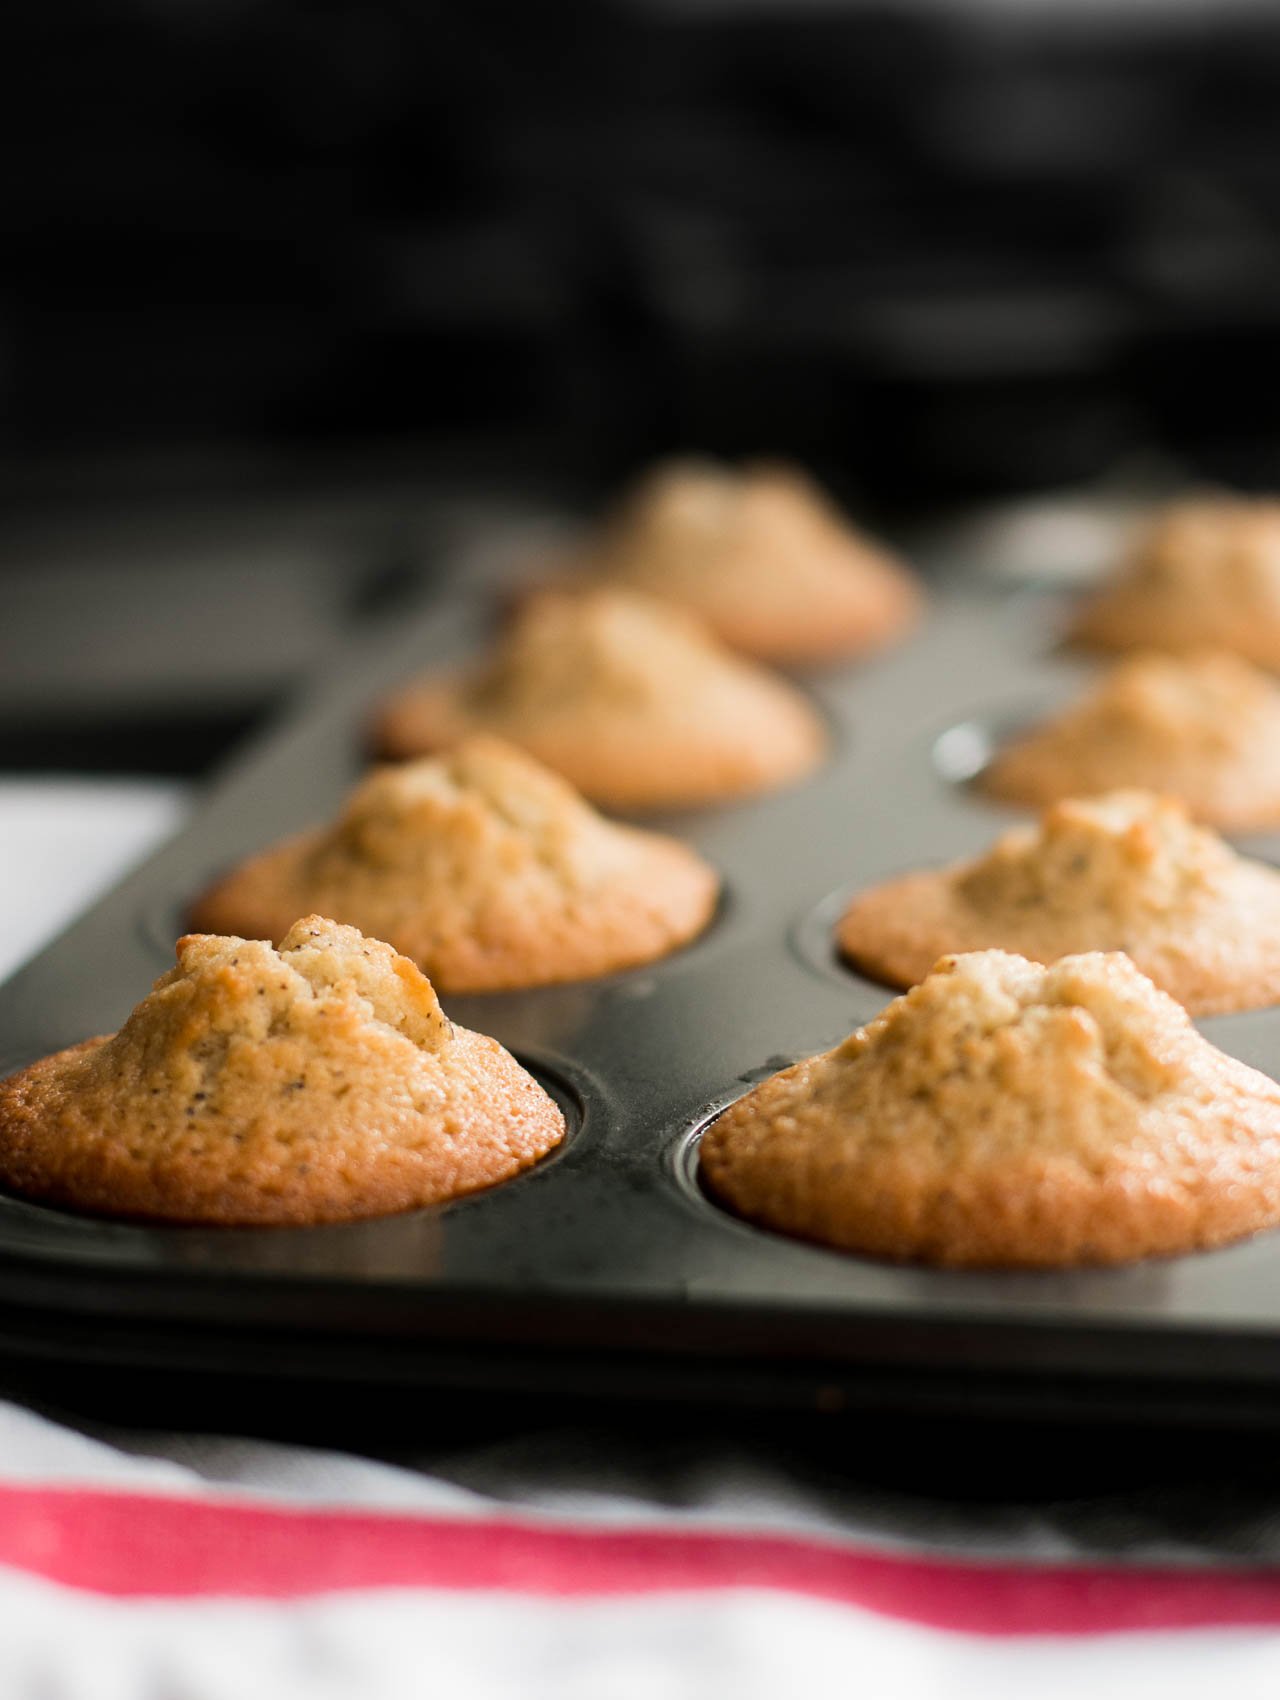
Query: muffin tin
x,y
605,1270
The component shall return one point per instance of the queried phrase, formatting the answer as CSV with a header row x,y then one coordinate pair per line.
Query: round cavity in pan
x,y
684,1172
812,938
683,1169
962,753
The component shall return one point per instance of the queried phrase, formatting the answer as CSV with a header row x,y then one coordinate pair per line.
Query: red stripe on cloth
x,y
129,1544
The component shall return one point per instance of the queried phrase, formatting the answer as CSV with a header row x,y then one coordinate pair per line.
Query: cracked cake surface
x,y
762,555
1203,727
315,1083
1007,1114
629,697
1126,871
485,868
1204,572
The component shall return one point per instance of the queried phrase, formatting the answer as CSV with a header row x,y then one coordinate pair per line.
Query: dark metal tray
x,y
604,1271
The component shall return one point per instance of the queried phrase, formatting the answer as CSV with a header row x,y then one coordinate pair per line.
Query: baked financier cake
x,y
1127,871
316,1083
1202,727
1204,573
762,556
1004,1114
628,697
485,868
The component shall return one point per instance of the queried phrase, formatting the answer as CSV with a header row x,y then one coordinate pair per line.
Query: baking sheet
x,y
604,1268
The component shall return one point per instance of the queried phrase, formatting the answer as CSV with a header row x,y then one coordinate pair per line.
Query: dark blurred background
x,y
289,291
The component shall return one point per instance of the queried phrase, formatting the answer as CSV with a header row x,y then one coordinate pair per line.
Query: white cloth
x,y
63,842
197,1612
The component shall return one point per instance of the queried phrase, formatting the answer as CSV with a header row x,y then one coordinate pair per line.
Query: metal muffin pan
x,y
604,1270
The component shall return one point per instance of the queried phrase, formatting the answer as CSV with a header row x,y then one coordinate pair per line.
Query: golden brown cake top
x,y
485,868
317,1082
482,814
226,996
1004,1113
1203,726
689,520
1128,854
1124,871
994,1035
631,698
1204,572
1210,700
1217,549
762,556
610,649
